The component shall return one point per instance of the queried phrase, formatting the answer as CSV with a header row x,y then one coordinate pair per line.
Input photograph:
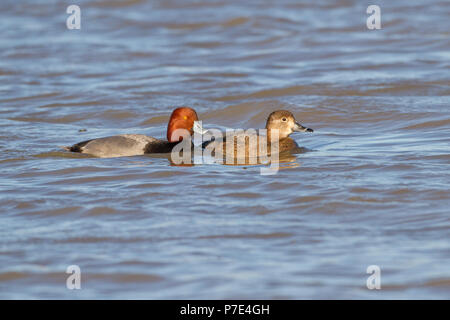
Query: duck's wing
x,y
250,145
115,146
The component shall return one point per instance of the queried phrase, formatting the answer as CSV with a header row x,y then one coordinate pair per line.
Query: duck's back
x,y
116,146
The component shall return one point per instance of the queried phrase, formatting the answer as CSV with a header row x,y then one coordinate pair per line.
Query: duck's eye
x,y
283,119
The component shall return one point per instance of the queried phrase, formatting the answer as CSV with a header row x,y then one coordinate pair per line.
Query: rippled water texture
x,y
373,189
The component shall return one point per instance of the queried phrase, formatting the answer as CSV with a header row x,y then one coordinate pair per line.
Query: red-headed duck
x,y
139,144
281,120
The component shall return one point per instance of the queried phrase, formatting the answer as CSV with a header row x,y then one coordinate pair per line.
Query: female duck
x,y
139,144
280,125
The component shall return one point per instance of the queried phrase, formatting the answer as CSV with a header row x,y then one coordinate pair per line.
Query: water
x,y
372,190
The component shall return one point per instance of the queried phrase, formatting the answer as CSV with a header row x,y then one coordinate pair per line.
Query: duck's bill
x,y
299,128
198,128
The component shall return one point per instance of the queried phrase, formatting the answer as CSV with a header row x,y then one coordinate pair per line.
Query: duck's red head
x,y
181,118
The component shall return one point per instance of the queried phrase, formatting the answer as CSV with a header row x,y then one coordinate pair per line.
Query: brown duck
x,y
281,120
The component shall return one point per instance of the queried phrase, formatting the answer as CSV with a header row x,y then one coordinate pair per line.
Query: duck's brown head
x,y
285,123
181,118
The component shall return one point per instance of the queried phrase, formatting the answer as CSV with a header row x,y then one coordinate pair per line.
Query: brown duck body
x,y
250,149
